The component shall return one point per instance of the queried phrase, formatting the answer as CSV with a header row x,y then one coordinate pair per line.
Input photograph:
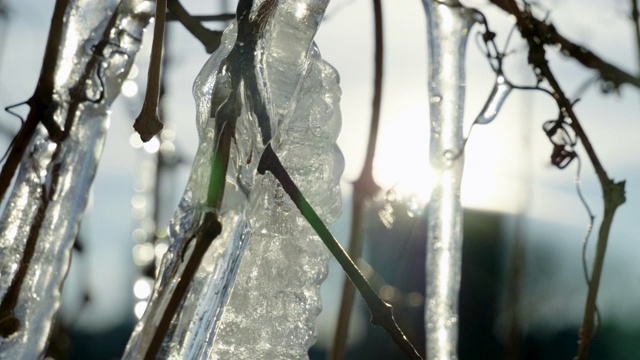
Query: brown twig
x,y
209,38
613,192
204,18
41,100
147,124
8,321
635,18
546,34
364,188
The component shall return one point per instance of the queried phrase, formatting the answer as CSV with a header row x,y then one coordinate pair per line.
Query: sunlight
x,y
400,161
401,164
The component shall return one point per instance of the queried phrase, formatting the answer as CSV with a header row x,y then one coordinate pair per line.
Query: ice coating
x,y
501,89
272,308
448,26
43,212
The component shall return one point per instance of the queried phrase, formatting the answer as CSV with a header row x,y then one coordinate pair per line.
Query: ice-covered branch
x,y
43,213
265,84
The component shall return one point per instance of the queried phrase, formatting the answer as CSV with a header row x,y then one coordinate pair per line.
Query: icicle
x,y
501,90
271,311
42,216
448,26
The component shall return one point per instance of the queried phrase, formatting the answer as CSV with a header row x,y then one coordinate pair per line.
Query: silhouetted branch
x,y
41,100
614,193
209,38
204,18
546,34
635,18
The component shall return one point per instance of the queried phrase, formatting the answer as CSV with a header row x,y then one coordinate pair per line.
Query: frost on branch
x,y
266,246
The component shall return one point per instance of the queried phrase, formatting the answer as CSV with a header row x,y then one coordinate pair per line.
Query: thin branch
x,y
635,18
209,38
203,18
614,193
364,188
147,124
381,312
41,100
546,34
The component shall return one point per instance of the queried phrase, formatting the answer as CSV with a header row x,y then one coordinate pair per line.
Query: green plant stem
x,y
364,188
613,192
381,312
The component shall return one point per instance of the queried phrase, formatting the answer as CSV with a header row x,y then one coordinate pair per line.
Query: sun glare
x,y
402,164
401,159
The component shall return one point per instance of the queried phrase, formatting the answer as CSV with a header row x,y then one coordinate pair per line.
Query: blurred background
x,y
523,288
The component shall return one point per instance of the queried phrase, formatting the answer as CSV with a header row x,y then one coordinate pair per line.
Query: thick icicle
x,y
448,26
271,311
41,220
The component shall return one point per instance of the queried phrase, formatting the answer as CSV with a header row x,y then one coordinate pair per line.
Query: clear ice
x,y
44,210
448,25
256,293
501,89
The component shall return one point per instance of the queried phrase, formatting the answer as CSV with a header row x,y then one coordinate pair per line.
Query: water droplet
x,y
449,155
435,99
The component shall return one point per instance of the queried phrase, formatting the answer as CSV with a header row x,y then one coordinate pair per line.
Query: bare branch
x,y
635,18
147,123
614,193
546,34
209,38
41,99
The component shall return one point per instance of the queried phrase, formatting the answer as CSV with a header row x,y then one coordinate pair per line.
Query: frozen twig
x,y
226,114
42,108
364,188
381,312
614,193
41,100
